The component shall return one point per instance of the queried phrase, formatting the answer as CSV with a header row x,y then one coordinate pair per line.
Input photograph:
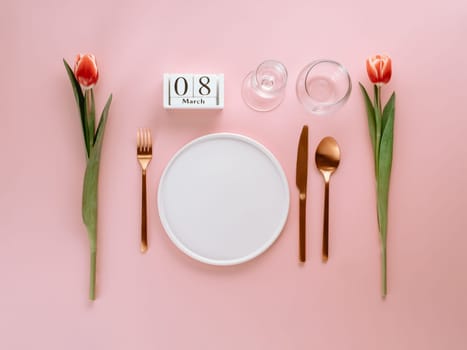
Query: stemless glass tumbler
x,y
323,86
264,89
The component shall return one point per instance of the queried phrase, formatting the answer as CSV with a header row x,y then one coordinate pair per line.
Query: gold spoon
x,y
327,160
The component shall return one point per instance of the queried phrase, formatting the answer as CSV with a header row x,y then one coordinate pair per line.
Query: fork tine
x,y
146,139
138,139
150,140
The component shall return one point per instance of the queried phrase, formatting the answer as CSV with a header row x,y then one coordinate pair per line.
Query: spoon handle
x,y
326,223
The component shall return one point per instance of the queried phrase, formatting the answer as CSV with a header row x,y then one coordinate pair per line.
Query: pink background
x,y
165,300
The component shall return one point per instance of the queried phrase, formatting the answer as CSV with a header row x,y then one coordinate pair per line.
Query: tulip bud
x,y
379,69
86,70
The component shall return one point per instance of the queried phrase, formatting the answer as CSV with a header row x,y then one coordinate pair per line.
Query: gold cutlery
x,y
144,155
327,160
301,180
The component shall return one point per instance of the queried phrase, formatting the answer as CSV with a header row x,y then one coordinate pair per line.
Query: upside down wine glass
x,y
264,89
323,86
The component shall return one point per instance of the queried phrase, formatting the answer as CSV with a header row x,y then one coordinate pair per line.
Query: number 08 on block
x,y
193,91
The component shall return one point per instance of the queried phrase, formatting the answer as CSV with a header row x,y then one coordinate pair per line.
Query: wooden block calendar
x,y
193,91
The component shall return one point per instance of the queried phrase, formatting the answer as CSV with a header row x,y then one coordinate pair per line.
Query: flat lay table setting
x,y
233,175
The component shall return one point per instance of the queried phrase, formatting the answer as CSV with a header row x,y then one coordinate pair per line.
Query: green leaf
x,y
90,192
102,122
388,109
370,111
91,177
384,171
89,204
80,101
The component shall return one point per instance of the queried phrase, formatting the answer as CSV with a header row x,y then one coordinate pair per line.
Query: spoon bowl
x,y
327,160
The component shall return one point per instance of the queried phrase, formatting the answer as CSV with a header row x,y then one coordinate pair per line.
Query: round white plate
x,y
223,199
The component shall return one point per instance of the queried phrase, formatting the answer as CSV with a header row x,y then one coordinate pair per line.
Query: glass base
x,y
258,98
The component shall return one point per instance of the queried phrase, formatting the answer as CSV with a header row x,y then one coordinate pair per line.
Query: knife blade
x,y
301,181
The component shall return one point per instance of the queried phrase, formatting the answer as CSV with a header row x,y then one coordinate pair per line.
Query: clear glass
x,y
264,89
323,86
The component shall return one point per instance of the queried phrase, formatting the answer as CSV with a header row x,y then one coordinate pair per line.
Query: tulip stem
x,y
380,211
378,123
384,283
90,116
378,97
92,277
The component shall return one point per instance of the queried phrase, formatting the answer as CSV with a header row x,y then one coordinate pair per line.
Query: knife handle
x,y
302,228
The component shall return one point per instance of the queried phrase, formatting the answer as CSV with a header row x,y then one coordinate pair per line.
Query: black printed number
x,y
177,86
204,88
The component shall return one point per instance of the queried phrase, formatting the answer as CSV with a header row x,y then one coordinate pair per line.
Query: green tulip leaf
x,y
370,112
91,178
90,192
385,165
102,122
388,109
80,101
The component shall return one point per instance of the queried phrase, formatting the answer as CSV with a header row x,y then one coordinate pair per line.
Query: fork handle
x,y
144,219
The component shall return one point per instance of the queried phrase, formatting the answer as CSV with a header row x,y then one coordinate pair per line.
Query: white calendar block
x,y
193,91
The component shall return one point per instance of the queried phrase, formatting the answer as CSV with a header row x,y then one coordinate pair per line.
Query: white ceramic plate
x,y
223,199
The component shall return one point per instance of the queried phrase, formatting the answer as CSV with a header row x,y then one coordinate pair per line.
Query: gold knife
x,y
301,180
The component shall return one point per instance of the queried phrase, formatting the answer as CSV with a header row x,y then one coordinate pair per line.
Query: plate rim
x,y
255,253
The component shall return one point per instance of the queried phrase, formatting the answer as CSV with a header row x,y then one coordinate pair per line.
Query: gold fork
x,y
144,155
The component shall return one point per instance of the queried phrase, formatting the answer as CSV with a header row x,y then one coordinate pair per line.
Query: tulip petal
x,y
372,70
386,70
